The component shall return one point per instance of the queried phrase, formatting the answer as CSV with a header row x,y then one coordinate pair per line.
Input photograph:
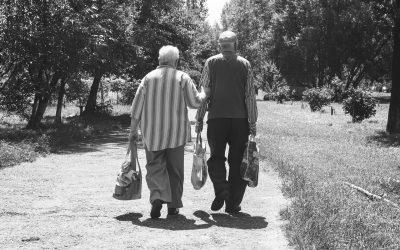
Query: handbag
x,y
199,168
129,181
249,168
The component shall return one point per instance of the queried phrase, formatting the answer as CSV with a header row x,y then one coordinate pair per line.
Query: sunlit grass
x,y
315,153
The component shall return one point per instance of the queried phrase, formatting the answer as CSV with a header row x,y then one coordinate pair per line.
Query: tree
x,y
393,124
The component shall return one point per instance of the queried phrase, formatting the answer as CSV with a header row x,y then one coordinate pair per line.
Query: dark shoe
x,y
173,211
217,204
156,209
233,210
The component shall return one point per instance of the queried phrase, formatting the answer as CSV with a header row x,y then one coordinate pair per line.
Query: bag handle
x,y
201,141
132,150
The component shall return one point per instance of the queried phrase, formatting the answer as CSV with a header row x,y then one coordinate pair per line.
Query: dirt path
x,y
64,201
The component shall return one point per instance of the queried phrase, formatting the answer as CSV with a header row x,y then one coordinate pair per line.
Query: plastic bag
x,y
129,181
249,168
199,168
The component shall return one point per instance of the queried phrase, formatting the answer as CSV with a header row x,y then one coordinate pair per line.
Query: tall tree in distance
x,y
393,125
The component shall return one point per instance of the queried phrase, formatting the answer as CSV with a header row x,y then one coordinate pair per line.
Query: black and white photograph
x,y
200,124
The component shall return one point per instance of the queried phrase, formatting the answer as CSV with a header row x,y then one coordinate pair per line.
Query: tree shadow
x,y
385,139
180,222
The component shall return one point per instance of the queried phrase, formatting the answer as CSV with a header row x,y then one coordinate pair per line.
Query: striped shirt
x,y
208,77
160,106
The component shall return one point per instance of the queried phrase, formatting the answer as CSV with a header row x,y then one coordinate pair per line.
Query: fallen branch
x,y
372,196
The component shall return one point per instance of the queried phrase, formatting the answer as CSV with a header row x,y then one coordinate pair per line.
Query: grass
x,y
315,153
18,144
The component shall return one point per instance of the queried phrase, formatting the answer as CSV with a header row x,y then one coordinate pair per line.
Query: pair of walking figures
x,y
160,110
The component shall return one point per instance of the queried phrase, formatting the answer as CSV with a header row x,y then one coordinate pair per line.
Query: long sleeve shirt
x,y
160,105
232,89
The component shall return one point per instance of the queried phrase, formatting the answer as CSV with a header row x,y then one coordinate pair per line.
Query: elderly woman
x,y
160,108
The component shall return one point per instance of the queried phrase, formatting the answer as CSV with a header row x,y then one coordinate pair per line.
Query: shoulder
x,y
183,76
152,74
243,61
214,58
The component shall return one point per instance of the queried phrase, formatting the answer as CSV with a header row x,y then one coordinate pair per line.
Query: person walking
x,y
232,117
160,106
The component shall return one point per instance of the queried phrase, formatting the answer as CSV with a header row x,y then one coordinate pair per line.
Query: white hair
x,y
168,54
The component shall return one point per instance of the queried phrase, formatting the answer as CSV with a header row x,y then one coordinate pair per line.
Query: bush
x,y
359,104
337,89
282,93
15,153
317,98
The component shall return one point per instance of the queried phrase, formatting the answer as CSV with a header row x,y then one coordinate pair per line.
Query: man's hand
x,y
253,129
199,127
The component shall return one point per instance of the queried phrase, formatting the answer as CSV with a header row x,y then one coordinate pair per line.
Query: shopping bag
x,y
129,180
199,168
250,164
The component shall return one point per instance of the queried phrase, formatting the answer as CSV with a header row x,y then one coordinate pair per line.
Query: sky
x,y
214,10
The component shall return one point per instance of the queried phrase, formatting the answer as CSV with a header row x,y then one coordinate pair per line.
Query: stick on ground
x,y
371,196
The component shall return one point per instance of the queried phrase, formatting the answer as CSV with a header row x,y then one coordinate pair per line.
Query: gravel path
x,y
63,201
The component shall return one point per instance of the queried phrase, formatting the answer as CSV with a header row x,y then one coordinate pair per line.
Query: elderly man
x,y
160,107
232,116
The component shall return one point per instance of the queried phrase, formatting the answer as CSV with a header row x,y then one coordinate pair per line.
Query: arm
x,y
136,110
251,103
192,96
204,83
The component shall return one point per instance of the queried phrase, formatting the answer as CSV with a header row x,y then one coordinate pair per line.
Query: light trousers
x,y
165,175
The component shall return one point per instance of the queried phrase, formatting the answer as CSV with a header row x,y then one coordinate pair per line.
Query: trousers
x,y
234,133
165,175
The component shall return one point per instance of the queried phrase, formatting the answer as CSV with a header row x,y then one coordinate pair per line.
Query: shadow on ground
x,y
116,138
180,222
385,139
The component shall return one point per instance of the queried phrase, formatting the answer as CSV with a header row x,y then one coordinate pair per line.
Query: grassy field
x,y
315,153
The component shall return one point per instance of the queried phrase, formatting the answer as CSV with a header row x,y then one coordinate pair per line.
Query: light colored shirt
x,y
161,104
217,69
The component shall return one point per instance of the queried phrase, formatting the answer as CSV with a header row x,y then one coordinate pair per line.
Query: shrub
x,y
359,104
15,153
337,89
282,93
317,98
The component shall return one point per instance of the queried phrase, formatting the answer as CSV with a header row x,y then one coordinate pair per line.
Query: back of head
x,y
227,41
168,55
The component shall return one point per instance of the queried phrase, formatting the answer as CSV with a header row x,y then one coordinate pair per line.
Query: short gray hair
x,y
168,53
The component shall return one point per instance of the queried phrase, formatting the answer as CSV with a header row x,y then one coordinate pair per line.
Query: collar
x,y
165,66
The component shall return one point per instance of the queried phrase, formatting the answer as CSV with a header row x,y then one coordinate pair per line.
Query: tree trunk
x,y
61,94
393,125
41,101
34,110
91,102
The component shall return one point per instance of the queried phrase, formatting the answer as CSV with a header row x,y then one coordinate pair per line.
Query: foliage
x,y
128,92
311,42
317,98
359,104
282,93
337,88
78,89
